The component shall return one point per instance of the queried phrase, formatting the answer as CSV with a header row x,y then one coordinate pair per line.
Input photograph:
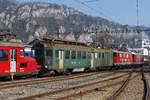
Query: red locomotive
x,y
127,59
13,60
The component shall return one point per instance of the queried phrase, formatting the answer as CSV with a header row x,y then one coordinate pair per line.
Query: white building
x,y
143,51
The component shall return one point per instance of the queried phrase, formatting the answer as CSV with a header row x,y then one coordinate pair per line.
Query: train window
x,y
84,55
32,53
73,55
89,55
13,54
67,55
120,54
124,55
133,56
49,53
79,54
103,55
99,55
114,54
57,53
22,53
3,55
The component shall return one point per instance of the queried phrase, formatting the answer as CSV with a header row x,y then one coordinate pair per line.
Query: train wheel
x,y
68,71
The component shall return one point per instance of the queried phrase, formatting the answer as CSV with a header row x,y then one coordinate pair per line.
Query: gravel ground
x,y
24,91
52,97
147,76
102,94
133,91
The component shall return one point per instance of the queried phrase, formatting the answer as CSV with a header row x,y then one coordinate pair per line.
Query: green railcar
x,y
63,55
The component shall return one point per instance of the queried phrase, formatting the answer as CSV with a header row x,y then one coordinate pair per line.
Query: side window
x,y
103,55
124,55
67,55
99,55
3,55
57,53
49,53
32,53
120,54
79,54
73,55
89,55
84,55
21,52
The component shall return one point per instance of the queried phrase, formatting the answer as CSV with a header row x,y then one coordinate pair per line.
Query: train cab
x,y
13,60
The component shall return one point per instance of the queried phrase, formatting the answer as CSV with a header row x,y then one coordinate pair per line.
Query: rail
x,y
146,88
120,89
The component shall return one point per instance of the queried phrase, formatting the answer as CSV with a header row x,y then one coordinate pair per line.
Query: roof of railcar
x,y
11,44
68,44
8,39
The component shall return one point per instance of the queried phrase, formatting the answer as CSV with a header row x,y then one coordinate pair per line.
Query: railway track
x,y
33,81
12,84
68,90
121,89
146,88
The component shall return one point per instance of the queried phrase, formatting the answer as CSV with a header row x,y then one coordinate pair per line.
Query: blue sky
x,y
121,11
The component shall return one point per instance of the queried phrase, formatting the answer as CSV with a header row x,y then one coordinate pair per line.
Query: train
x,y
59,56
66,56
13,61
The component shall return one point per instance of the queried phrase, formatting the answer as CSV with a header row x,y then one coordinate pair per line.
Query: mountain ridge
x,y
37,19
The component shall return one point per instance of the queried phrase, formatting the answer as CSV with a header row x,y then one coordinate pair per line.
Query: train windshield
x,y
29,52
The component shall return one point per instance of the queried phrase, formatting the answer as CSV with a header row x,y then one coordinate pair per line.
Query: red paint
x,y
31,64
125,58
81,92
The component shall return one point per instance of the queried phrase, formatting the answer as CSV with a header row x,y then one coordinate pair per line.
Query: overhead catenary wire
x,y
91,1
97,11
101,8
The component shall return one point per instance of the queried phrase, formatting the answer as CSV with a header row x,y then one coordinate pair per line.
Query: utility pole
x,y
137,6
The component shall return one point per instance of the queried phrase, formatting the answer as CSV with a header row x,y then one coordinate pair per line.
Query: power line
x,y
97,11
89,1
101,8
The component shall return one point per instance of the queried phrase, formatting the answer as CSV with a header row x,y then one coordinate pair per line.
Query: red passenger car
x,y
13,60
138,59
121,58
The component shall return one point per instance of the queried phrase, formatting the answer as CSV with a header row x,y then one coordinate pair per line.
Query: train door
x,y
61,59
92,60
4,63
13,64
